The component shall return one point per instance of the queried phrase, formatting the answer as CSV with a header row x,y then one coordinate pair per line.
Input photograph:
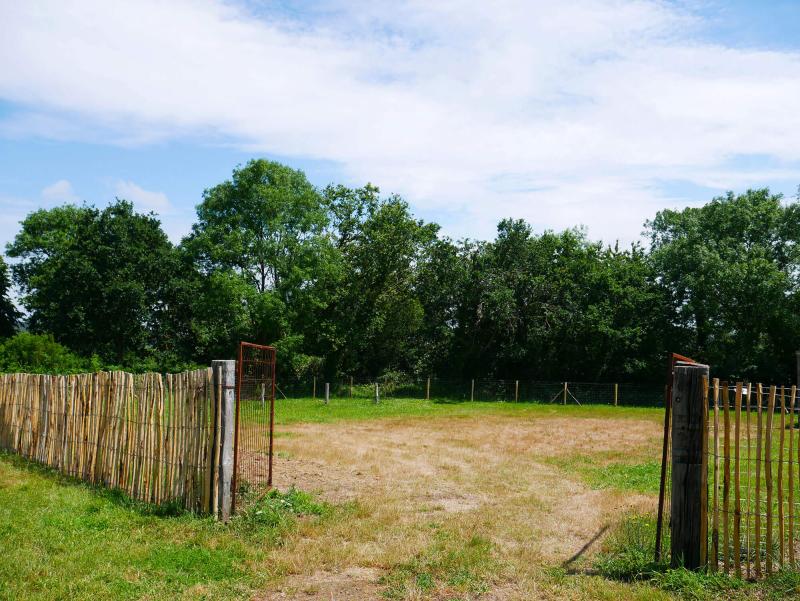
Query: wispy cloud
x,y
60,192
143,200
589,104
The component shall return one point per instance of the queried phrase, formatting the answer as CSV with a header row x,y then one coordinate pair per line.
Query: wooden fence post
x,y
351,387
428,389
564,400
689,465
314,388
327,392
225,381
616,394
377,394
472,391
516,391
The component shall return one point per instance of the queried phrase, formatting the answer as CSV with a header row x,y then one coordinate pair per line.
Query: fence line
x,y
753,499
146,434
481,389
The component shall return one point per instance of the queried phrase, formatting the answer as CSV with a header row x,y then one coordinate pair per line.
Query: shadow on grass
x,y
115,496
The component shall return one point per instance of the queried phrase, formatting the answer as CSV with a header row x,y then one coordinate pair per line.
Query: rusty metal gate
x,y
255,418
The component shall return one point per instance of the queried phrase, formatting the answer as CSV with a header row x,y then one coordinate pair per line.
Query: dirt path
x,y
491,475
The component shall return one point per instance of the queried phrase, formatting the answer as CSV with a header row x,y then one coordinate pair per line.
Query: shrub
x,y
39,353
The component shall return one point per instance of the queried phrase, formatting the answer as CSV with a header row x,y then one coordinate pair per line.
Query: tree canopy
x,y
345,281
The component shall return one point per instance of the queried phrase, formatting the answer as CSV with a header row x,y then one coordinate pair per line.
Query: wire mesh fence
x,y
479,389
255,417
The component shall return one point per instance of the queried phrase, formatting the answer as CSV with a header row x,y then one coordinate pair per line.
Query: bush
x,y
39,353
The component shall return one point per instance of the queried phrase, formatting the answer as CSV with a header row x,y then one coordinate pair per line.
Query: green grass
x,y
627,555
451,568
290,411
61,539
642,477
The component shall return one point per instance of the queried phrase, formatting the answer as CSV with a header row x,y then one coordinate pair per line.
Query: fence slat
x,y
147,435
714,564
781,438
737,509
726,479
768,476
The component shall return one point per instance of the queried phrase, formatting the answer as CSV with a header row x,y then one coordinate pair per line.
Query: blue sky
x,y
594,113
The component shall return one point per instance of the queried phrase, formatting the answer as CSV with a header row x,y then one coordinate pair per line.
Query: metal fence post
x,y
689,521
225,380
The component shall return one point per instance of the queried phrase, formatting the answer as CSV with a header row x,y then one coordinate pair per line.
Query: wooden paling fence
x,y
754,465
152,436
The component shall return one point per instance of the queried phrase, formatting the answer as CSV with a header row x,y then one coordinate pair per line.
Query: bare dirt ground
x,y
487,475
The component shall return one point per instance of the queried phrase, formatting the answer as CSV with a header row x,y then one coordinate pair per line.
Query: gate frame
x,y
273,363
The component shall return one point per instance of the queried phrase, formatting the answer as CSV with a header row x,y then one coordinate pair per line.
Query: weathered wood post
x,y
327,392
472,391
377,394
428,389
564,399
616,394
351,387
689,465
314,388
516,391
225,385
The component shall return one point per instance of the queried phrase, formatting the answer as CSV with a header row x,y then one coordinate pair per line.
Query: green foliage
x,y
9,315
730,270
39,353
93,278
345,281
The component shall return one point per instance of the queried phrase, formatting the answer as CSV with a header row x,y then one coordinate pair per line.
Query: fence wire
x,y
482,389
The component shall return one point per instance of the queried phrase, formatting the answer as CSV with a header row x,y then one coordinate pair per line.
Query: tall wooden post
x,y
516,391
314,388
616,394
689,465
472,391
377,394
351,387
327,392
225,383
564,400
428,389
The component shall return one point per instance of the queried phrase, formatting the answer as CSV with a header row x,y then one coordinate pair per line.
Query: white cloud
x,y
60,192
143,200
588,104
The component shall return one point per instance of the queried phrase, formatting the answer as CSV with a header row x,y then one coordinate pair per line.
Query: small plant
x,y
275,511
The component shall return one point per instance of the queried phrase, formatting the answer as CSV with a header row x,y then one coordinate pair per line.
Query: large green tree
x,y
730,269
94,278
375,310
259,240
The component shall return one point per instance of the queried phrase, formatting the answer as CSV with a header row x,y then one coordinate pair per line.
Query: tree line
x,y
345,281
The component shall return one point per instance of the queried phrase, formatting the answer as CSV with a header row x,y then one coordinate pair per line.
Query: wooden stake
x,y
737,510
726,480
793,391
781,438
768,475
759,399
714,563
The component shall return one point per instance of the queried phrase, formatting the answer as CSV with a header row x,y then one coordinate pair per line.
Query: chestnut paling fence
x,y
754,478
151,436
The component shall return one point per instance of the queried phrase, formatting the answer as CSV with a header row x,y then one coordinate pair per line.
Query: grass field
x,y
403,500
